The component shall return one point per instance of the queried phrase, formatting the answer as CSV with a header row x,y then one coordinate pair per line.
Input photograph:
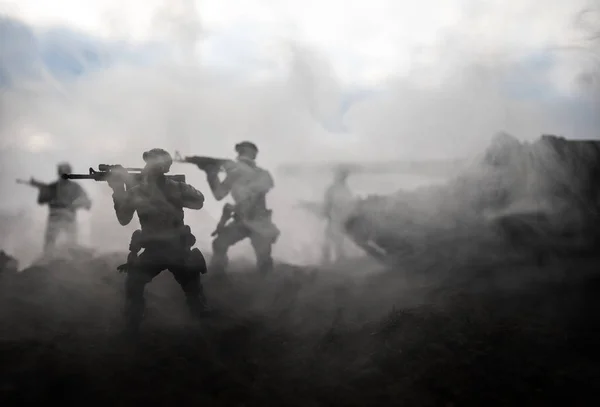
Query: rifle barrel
x,y
109,167
100,176
79,176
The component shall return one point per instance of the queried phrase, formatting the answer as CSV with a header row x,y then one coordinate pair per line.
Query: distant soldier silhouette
x,y
164,237
338,203
63,197
248,185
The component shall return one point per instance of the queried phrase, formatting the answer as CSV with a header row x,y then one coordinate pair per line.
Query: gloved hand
x,y
117,178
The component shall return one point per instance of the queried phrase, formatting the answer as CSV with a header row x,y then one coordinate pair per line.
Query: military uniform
x,y
163,236
339,202
63,197
248,185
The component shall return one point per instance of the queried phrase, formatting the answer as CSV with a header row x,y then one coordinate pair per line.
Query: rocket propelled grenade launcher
x,y
132,175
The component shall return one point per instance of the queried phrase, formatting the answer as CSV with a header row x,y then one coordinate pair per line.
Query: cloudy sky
x,y
366,41
334,49
102,80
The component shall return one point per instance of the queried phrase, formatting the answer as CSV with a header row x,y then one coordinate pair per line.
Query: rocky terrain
x,y
472,329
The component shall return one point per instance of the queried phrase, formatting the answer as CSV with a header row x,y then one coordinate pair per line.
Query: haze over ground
x,y
101,82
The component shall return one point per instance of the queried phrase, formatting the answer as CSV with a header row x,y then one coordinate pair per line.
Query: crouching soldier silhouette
x,y
248,185
165,239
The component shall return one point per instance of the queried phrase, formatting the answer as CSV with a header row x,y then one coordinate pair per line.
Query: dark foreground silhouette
x,y
505,334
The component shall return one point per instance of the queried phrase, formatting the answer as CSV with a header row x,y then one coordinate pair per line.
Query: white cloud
x,y
382,34
36,141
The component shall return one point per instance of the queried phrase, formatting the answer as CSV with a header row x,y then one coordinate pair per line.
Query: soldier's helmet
x,y
64,168
246,145
159,158
341,172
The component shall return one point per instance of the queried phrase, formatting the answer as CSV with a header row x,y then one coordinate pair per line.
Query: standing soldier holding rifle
x,y
248,185
63,197
166,241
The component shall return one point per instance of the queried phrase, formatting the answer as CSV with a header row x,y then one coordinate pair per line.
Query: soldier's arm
x,y
219,188
190,197
123,204
45,194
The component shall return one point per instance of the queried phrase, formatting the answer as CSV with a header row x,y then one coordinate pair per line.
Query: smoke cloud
x,y
106,96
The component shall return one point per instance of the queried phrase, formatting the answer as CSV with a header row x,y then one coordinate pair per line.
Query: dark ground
x,y
520,335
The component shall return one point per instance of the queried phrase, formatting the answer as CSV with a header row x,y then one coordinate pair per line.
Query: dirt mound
x,y
542,197
8,264
301,337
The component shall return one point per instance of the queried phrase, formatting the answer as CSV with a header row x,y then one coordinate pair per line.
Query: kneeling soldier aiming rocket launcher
x,y
248,185
167,242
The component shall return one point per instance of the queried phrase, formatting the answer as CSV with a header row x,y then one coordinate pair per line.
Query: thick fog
x,y
307,82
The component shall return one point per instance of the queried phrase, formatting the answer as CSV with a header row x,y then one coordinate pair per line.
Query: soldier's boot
x,y
262,250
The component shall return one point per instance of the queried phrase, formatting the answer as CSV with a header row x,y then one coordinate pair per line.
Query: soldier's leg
x,y
325,252
338,242
227,237
262,248
328,245
135,282
51,234
189,280
70,229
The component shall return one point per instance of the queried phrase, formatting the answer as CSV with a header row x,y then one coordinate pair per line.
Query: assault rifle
x,y
131,176
206,164
32,182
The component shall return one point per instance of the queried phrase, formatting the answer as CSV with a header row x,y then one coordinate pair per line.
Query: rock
x,y
552,182
8,263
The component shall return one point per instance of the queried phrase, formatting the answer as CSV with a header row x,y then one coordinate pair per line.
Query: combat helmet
x,y
246,144
158,156
64,168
